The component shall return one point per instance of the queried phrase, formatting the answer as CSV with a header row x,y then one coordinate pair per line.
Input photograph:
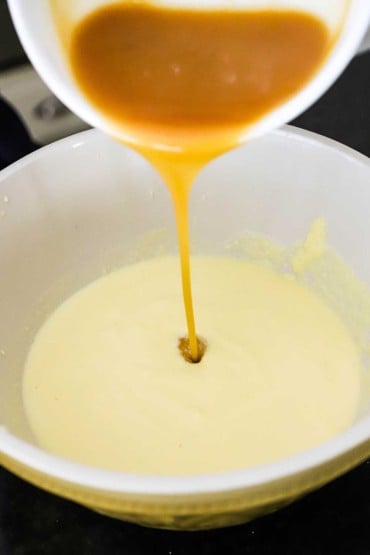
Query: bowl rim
x,y
139,484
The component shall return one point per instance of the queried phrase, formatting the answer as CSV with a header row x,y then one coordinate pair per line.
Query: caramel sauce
x,y
185,84
184,348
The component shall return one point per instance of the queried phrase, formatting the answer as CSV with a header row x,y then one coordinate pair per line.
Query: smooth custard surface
x,y
105,383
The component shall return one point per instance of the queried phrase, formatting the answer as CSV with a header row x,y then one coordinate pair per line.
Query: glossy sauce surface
x,y
184,71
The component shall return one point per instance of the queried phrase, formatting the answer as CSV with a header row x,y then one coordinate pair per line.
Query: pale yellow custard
x,y
105,383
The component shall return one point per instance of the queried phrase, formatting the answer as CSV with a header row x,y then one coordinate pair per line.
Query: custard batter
x,y
106,385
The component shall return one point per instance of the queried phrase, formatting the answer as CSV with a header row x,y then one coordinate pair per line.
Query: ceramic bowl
x,y
42,39
80,207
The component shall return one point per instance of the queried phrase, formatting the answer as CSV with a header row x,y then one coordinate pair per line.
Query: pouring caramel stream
x,y
185,85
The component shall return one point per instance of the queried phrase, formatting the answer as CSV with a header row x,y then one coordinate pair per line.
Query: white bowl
x,y
37,31
79,206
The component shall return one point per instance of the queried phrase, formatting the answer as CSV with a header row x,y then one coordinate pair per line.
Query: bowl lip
x,y
346,45
193,485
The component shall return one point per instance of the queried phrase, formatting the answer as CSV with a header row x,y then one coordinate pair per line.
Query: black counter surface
x,y
332,521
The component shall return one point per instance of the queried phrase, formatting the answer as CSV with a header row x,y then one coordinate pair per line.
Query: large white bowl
x,y
81,205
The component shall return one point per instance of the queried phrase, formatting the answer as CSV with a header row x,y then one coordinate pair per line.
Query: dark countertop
x,y
334,520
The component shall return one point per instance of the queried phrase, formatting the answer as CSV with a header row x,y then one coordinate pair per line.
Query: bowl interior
x,y
85,205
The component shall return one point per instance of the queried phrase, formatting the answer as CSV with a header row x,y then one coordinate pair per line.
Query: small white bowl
x,y
35,24
80,205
